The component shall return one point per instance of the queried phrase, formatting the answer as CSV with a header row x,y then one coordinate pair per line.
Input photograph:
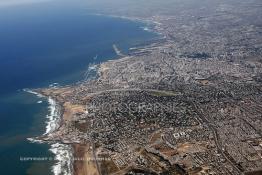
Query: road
x,y
215,134
95,159
133,89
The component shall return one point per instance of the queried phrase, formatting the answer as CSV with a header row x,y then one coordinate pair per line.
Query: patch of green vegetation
x,y
162,93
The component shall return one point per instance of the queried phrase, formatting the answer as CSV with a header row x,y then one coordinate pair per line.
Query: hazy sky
x,y
4,3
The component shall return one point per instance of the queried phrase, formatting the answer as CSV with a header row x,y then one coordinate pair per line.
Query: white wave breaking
x,y
34,140
33,92
91,72
54,85
63,156
92,67
53,117
63,153
146,29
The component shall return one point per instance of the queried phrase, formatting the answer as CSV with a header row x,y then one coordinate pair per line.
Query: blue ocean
x,y
42,44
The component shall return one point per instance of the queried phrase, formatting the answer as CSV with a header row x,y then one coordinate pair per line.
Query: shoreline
x,y
66,154
63,153
146,21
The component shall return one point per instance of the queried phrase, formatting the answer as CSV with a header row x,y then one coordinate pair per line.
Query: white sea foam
x,y
40,102
63,153
92,67
53,117
63,156
33,92
54,112
34,140
54,85
146,29
91,72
